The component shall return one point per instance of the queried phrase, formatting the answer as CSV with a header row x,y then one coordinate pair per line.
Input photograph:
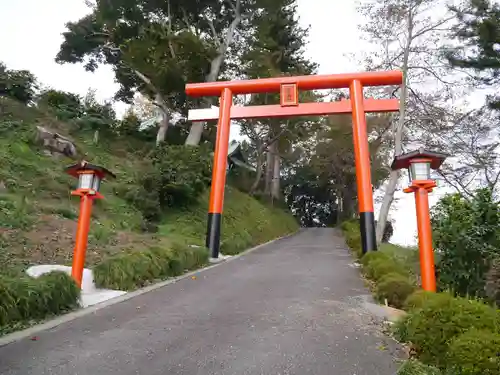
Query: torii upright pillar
x,y
289,106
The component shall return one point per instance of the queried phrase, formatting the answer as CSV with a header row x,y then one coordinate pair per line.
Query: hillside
x,y
38,214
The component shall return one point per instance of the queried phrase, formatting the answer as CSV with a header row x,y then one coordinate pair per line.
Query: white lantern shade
x,y
420,171
96,184
89,181
85,180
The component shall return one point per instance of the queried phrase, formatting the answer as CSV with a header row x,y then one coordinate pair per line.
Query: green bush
x,y
235,246
174,177
420,298
493,282
17,84
374,256
466,233
378,268
144,200
129,271
409,258
431,328
352,236
414,367
181,174
474,353
395,288
348,225
26,298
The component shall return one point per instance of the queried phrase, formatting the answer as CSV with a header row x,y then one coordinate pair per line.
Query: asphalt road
x,y
293,307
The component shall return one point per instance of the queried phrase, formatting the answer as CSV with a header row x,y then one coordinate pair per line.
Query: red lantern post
x,y
89,181
419,164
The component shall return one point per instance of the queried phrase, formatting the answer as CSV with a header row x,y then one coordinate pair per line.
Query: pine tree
x,y
276,48
479,31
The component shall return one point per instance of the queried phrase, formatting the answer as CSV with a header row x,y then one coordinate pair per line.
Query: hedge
x,y
395,288
26,299
419,298
432,327
352,236
414,367
374,256
474,353
389,273
132,270
453,334
378,268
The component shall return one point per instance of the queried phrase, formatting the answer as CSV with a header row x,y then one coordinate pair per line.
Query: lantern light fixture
x,y
419,164
89,177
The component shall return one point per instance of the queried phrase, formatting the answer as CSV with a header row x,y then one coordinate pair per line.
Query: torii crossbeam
x,y
289,106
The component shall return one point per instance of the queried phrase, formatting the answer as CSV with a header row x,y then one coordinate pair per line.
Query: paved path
x,y
294,307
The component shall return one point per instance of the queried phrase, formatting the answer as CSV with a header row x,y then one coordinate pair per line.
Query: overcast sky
x,y
31,35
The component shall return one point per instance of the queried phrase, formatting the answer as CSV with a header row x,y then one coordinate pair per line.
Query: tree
x,y
321,187
478,29
333,158
275,47
408,35
17,84
223,39
155,47
310,198
472,142
467,238
65,105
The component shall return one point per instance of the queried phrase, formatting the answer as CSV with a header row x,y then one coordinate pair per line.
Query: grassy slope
x,y
38,215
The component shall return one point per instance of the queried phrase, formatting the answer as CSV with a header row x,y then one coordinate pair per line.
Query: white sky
x,y
31,35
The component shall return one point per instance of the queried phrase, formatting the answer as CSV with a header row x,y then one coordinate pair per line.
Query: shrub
x,y
17,84
475,353
395,288
65,104
467,234
181,173
440,320
348,225
374,256
60,292
128,271
354,243
235,246
352,236
414,367
493,282
25,298
421,297
409,258
145,200
378,268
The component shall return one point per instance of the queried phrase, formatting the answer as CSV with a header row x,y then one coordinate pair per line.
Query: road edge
x,y
61,319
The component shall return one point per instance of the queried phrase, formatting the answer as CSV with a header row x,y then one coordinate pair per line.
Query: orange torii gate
x,y
289,106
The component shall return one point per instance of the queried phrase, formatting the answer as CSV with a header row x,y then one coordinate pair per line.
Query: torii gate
x,y
289,106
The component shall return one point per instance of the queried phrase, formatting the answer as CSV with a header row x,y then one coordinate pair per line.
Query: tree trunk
x,y
275,185
258,175
163,127
386,204
398,138
161,103
269,168
196,131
